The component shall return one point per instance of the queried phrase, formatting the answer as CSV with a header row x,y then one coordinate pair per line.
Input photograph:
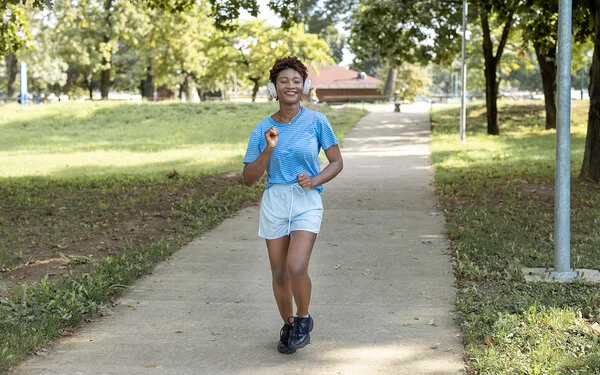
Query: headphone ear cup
x,y
272,90
306,89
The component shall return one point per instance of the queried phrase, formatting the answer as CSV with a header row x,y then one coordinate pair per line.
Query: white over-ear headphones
x,y
273,89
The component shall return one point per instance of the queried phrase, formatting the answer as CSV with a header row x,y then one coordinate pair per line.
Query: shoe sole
x,y
283,349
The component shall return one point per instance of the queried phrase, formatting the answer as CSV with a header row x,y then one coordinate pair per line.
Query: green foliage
x,y
87,35
14,30
321,17
82,45
412,80
498,195
257,46
226,13
413,32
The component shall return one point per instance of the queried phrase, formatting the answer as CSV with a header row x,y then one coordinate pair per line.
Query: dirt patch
x,y
74,231
540,191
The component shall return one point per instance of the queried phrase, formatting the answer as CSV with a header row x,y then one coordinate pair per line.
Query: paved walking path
x,y
383,288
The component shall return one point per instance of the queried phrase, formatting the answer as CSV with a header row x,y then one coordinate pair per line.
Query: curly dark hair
x,y
291,62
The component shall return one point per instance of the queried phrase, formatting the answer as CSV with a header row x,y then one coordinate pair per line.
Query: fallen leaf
x,y
67,332
595,328
131,306
489,341
152,365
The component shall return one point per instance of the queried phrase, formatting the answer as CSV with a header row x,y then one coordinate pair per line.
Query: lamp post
x,y
23,94
463,72
581,72
562,209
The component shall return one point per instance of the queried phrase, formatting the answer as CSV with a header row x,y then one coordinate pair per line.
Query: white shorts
x,y
288,208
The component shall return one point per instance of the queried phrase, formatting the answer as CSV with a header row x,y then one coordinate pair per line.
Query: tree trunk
x,y
491,97
491,62
105,83
147,85
89,81
12,69
390,82
254,88
491,93
547,63
590,168
191,93
106,60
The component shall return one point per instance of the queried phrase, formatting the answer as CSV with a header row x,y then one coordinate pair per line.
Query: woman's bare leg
x,y
298,256
278,252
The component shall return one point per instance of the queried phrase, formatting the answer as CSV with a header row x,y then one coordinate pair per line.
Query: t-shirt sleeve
x,y
327,137
253,150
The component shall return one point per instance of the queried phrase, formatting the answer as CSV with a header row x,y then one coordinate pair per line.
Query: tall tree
x,y
539,24
322,17
90,32
590,168
412,80
502,14
46,68
181,51
405,32
540,27
259,45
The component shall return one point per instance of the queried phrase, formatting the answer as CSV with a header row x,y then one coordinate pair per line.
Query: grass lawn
x,y
92,195
498,196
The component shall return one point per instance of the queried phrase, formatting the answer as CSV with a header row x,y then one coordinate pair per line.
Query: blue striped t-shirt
x,y
297,149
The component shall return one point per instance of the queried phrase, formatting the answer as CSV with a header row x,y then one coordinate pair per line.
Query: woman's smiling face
x,y
289,86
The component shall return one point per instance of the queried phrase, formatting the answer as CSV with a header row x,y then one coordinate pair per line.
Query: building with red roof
x,y
339,84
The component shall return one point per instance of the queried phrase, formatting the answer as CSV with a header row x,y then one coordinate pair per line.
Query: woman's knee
x,y
297,270
279,275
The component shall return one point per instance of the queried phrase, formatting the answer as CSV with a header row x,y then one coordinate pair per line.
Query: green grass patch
x,y
73,139
92,195
498,195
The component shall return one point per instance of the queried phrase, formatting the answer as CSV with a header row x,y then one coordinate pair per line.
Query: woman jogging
x,y
286,145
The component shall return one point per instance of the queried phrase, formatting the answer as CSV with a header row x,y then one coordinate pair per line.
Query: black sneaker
x,y
284,338
300,336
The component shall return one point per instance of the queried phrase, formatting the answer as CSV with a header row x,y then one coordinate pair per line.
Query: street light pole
x,y
463,110
23,94
581,71
562,199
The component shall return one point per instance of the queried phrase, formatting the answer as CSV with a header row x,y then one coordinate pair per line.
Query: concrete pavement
x,y
383,288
